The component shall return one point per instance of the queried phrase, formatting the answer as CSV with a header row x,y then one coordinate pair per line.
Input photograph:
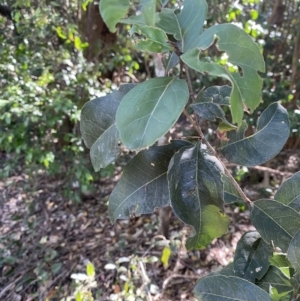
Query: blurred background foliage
x,y
57,55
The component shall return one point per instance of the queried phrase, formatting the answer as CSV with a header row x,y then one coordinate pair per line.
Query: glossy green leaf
x,y
275,222
275,278
293,253
241,51
207,105
112,11
231,195
220,287
149,110
273,129
196,191
143,185
98,127
148,9
251,260
289,192
156,39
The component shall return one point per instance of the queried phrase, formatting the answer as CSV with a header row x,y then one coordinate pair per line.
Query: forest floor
x,y
46,242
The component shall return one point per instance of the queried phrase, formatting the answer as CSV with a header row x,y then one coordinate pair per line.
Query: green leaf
x,y
156,39
166,253
279,260
251,260
275,278
171,61
149,110
293,253
143,185
90,269
226,271
271,134
219,287
78,296
295,281
275,222
148,8
241,51
276,296
289,192
164,2
231,195
196,191
191,20
112,11
168,22
138,19
98,127
207,105
215,94
187,26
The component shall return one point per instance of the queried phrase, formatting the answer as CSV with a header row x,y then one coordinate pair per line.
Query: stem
x,y
189,81
210,148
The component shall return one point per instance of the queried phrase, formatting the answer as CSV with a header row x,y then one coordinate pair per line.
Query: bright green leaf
x,y
149,110
143,185
289,192
166,253
78,296
220,287
251,260
279,260
112,11
90,269
275,222
273,129
195,182
156,39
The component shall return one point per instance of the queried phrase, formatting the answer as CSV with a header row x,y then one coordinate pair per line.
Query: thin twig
x,y
264,168
194,123
146,280
189,81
